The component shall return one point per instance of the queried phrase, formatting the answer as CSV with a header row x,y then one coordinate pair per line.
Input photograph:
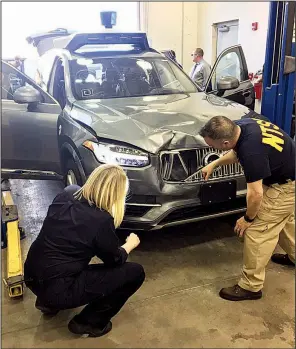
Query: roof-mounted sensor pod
x,y
108,19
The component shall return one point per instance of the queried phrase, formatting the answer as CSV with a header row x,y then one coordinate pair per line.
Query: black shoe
x,y
236,293
44,309
282,259
83,329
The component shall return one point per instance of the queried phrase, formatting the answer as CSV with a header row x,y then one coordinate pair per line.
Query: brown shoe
x,y
236,293
282,259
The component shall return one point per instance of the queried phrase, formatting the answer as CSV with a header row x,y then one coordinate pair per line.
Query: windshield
x,y
118,77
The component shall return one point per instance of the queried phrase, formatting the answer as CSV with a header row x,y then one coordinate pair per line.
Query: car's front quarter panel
x,y
71,137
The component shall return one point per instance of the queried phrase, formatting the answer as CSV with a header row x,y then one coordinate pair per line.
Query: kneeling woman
x,y
80,224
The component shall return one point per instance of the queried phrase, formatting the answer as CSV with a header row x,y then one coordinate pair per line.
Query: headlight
x,y
118,155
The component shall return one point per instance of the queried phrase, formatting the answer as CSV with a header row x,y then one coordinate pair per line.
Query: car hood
x,y
155,123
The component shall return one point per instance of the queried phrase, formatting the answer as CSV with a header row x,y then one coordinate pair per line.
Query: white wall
x,y
183,26
171,25
20,19
253,42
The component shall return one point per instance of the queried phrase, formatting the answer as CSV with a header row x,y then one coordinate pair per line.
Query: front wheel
x,y
72,174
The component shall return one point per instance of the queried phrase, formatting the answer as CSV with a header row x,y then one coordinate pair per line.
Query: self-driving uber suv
x,y
110,98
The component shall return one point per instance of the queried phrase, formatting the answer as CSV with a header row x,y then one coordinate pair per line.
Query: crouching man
x,y
267,155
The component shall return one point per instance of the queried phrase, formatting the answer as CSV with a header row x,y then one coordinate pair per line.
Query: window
x,y
229,65
165,71
12,79
114,77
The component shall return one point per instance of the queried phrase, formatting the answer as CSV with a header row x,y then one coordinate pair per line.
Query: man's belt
x,y
283,181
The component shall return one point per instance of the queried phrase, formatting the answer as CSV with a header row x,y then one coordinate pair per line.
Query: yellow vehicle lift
x,y
11,236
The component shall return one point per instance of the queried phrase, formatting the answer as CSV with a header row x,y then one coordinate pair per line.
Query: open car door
x,y
232,63
29,137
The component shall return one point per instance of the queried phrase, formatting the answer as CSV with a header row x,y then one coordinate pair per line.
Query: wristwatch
x,y
247,219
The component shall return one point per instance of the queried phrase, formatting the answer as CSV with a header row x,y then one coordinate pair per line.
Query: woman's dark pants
x,y
105,290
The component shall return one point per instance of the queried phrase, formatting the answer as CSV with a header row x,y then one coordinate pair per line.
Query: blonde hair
x,y
106,188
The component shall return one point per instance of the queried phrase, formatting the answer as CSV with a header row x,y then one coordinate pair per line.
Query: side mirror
x,y
26,95
227,83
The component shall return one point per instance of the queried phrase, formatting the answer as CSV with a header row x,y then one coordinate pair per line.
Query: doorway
x,y
226,34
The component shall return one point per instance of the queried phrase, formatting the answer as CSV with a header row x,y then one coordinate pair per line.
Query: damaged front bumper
x,y
177,204
180,212
154,202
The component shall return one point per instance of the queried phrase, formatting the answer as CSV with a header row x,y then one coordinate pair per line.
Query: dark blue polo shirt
x,y
265,152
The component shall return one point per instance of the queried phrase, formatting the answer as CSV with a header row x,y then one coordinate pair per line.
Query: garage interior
x,y
185,266
178,306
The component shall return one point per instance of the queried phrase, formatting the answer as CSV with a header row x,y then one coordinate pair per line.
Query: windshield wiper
x,y
166,91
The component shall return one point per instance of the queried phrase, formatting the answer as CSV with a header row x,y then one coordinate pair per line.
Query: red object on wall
x,y
258,90
251,75
255,26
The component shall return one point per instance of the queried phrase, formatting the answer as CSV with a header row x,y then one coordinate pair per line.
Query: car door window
x,y
12,79
7,85
229,65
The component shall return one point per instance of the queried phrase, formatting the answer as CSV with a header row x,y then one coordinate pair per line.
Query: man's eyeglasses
x,y
194,54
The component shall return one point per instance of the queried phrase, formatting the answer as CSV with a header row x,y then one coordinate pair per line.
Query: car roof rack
x,y
62,39
73,42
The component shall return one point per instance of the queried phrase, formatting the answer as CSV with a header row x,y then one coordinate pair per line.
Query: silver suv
x,y
110,98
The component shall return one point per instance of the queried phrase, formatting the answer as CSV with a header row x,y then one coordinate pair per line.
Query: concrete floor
x,y
178,305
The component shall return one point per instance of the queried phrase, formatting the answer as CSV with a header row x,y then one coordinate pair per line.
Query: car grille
x,y
185,165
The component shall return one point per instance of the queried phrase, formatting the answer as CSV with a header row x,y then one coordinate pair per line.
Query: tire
x,y
72,174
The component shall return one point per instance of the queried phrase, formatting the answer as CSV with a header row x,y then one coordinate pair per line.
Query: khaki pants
x,y
274,223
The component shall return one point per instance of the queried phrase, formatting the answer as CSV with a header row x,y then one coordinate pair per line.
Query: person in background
x,y
201,70
267,156
79,225
18,63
